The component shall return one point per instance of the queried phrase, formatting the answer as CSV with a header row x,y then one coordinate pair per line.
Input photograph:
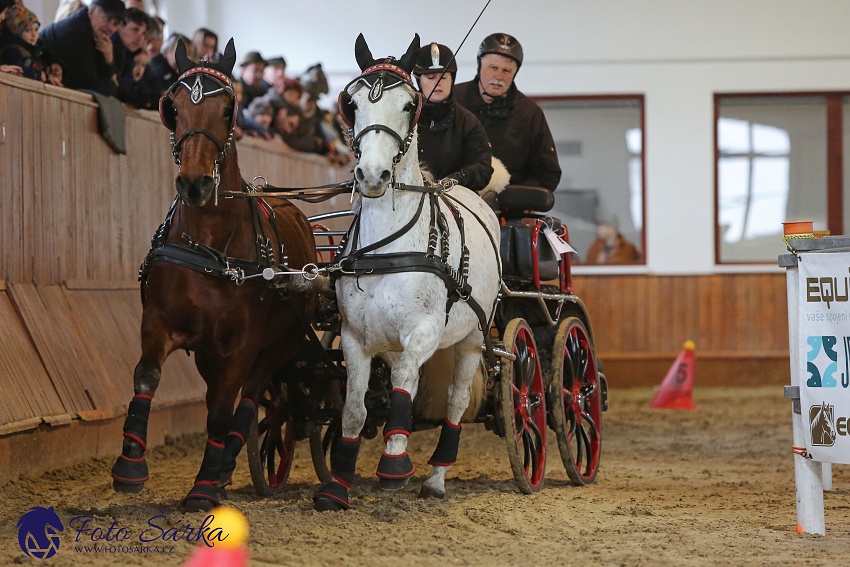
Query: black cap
x,y
276,61
501,44
4,4
434,58
112,8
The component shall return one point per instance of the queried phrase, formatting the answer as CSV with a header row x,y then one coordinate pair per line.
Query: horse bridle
x,y
197,94
379,78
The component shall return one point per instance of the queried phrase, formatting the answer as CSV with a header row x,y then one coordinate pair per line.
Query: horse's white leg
x,y
333,495
395,467
467,358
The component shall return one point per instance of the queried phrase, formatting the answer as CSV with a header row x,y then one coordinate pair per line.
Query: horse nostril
x,y
385,176
358,174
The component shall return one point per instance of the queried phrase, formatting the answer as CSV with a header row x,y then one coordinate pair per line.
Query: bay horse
x,y
196,291
419,274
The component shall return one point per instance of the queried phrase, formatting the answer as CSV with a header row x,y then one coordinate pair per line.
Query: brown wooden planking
x,y
110,320
28,393
46,316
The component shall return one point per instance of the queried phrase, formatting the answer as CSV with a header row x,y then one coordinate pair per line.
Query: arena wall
x,y
77,221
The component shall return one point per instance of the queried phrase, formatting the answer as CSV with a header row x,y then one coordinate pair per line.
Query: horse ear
x,y
408,59
181,58
362,53
228,58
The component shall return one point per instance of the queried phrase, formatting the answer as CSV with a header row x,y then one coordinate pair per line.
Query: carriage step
x,y
329,232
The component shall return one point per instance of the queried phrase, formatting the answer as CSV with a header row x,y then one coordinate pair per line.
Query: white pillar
x,y
807,473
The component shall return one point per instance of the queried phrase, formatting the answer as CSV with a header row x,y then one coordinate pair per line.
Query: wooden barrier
x,y
77,221
640,323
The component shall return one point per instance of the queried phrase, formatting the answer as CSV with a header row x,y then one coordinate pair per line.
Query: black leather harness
x,y
207,260
363,261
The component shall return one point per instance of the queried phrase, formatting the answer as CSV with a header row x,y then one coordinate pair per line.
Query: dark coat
x,y
158,77
15,51
83,66
453,143
518,132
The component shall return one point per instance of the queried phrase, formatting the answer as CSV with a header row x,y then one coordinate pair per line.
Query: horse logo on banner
x,y
38,532
822,425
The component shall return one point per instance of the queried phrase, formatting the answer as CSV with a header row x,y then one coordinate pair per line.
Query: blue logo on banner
x,y
38,532
822,369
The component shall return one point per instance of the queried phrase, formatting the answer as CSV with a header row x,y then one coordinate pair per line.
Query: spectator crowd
x,y
117,48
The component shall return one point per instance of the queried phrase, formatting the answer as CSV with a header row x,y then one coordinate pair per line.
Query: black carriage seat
x,y
519,198
515,204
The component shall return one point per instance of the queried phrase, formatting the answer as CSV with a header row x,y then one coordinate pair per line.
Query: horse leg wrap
x,y
445,454
400,419
395,467
131,468
206,482
333,495
242,419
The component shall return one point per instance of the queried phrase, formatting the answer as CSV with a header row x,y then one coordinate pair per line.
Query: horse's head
x,y
202,102
381,107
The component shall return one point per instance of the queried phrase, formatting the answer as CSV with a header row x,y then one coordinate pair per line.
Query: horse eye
x,y
408,107
174,111
228,112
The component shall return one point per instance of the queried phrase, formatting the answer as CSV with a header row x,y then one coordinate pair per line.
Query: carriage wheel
x,y
522,407
576,401
271,445
321,441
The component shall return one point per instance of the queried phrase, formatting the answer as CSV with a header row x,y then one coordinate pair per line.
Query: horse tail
x,y
432,397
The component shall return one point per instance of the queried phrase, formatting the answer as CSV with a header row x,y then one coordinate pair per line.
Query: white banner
x,y
824,349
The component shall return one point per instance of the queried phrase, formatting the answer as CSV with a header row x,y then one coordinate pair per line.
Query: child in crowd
x,y
18,42
259,119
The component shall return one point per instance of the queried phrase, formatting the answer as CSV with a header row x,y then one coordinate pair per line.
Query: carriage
x,y
279,343
546,374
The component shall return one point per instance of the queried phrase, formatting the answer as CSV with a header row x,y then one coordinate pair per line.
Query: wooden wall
x,y
77,220
739,323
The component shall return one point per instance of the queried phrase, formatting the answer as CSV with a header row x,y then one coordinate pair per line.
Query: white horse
x,y
391,296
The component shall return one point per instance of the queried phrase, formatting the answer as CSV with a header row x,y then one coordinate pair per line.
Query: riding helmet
x,y
501,44
435,58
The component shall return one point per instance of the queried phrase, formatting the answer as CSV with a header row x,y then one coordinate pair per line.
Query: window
x,y
779,159
600,148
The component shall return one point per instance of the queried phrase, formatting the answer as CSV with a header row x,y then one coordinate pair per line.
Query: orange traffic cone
x,y
225,543
677,388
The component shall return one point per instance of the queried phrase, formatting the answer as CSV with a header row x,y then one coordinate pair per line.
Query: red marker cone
x,y
677,388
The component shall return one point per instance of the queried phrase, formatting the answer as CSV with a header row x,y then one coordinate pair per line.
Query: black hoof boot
x,y
331,497
202,498
394,471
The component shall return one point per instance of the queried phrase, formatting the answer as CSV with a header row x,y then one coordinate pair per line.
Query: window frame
x,y
834,101
640,99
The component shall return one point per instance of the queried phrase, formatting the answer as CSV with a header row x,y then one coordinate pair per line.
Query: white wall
x,y
678,53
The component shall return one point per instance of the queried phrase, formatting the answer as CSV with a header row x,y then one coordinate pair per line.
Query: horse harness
x,y
208,82
380,77
363,261
208,260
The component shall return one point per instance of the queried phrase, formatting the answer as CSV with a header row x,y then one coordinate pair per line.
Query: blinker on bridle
x,y
379,78
197,94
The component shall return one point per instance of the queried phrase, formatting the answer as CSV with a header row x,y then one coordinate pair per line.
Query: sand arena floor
x,y
713,486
